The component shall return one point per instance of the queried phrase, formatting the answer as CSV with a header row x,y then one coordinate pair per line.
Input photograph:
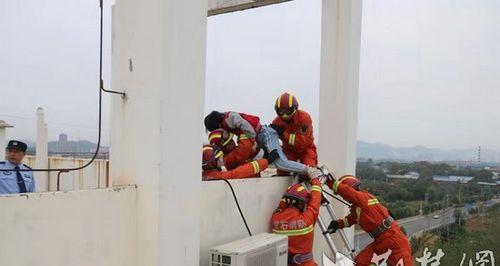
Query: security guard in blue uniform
x,y
12,181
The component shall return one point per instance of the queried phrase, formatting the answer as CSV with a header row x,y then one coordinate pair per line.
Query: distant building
x,y
487,183
453,178
409,175
63,137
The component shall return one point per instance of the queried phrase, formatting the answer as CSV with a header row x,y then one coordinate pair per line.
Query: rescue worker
x,y
234,154
295,129
12,181
267,138
212,161
373,218
239,124
296,217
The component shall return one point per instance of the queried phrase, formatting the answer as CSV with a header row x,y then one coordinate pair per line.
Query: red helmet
x,y
298,193
286,105
350,181
209,155
220,138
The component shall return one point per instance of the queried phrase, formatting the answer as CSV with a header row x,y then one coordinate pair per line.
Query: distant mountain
x,y
72,146
378,151
81,146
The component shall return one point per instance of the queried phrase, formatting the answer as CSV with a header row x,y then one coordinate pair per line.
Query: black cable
x,y
337,198
237,204
101,89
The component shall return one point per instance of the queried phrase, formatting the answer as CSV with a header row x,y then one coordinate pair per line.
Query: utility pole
x,y
479,155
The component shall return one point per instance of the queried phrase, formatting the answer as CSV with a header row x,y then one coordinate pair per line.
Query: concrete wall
x,y
339,83
258,198
95,175
158,59
91,227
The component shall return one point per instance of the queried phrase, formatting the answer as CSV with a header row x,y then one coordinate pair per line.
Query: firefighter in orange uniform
x,y
373,218
240,124
234,155
212,161
296,131
296,217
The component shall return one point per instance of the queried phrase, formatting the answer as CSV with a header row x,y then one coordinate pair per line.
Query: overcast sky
x,y
430,70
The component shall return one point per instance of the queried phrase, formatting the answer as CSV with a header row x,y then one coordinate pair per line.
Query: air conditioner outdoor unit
x,y
260,250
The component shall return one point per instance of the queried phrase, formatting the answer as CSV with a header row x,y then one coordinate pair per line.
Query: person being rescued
x,y
213,160
296,217
295,129
266,137
234,154
374,219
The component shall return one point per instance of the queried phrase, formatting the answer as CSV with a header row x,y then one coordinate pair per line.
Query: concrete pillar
x,y
3,129
42,153
158,59
340,52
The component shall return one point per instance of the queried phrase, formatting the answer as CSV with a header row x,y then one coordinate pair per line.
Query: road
x,y
412,225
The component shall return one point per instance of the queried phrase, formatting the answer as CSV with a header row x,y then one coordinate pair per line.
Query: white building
x,y
158,211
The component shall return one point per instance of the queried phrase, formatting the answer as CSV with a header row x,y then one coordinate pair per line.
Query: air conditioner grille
x,y
263,258
220,260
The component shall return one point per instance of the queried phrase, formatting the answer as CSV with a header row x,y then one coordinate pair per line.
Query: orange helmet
x,y
350,181
209,155
286,105
297,192
220,138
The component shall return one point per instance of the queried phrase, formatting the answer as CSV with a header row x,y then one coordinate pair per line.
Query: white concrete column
x,y
3,129
42,153
340,53
158,59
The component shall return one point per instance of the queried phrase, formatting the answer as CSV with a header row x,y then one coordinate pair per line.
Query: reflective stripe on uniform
x,y
336,186
228,139
256,167
373,202
207,148
358,213
298,232
243,136
346,222
278,102
290,101
316,188
291,139
214,136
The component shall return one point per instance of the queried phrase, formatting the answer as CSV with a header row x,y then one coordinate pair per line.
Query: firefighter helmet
x,y
286,105
297,192
351,181
220,138
209,155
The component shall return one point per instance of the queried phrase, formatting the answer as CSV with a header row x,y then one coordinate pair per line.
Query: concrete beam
x,y
339,82
217,7
158,59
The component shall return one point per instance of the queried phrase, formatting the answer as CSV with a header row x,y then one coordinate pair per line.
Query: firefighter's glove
x,y
313,172
304,178
278,129
271,156
332,228
324,200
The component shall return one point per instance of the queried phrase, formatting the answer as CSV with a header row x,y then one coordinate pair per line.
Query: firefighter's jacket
x,y
298,132
243,153
365,210
297,225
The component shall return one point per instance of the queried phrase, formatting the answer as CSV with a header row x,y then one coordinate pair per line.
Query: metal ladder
x,y
325,203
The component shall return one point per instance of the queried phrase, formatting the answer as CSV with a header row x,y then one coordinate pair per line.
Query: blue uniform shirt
x,y
8,178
